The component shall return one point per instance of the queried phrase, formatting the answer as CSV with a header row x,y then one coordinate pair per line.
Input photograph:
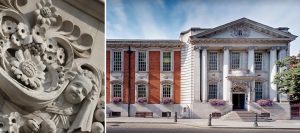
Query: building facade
x,y
234,62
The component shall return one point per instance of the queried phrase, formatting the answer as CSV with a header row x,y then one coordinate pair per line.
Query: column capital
x,y
227,47
252,47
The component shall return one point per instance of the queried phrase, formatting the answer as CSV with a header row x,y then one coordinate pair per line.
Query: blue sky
x,y
165,19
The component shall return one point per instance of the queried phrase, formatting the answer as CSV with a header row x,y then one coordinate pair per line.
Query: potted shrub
x,y
142,100
166,100
265,102
217,102
116,100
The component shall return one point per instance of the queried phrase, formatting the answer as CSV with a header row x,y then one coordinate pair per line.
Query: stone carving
x,y
240,86
240,31
46,85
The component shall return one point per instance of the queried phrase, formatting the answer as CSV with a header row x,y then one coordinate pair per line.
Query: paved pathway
x,y
216,123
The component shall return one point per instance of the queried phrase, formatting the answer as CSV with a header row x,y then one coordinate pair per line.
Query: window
x,y
258,90
166,90
258,61
213,60
141,91
117,61
213,91
142,61
117,90
235,60
167,61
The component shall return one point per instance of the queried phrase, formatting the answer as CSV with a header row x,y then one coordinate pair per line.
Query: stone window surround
x,y
262,90
172,59
161,90
136,91
112,91
217,89
262,60
112,59
217,60
137,59
240,58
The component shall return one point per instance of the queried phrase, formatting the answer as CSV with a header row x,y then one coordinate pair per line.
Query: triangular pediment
x,y
244,28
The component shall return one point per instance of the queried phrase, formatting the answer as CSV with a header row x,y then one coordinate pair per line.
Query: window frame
x,y
137,66
137,91
216,90
112,91
171,62
112,61
209,60
261,90
232,61
162,89
261,65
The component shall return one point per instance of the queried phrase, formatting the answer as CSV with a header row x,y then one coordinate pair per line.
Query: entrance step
x,y
246,116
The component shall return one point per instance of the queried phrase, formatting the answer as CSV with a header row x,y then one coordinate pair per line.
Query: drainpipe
x,y
129,84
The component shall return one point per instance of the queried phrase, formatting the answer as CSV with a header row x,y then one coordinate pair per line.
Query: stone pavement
x,y
216,123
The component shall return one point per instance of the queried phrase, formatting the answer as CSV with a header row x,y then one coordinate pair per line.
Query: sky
x,y
165,19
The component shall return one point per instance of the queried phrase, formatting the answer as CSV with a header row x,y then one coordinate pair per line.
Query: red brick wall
x,y
132,75
177,77
107,77
154,77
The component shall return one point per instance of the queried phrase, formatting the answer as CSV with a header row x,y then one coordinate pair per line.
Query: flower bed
x,y
142,100
217,102
117,100
166,100
265,102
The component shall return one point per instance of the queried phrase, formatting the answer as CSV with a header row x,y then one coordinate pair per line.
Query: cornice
x,y
113,43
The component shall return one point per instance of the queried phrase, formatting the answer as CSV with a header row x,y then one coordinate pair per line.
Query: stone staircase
x,y
246,116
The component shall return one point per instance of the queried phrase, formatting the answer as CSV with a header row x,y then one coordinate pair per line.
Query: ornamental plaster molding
x,y
45,80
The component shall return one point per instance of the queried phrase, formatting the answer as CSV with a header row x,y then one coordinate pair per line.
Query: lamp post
x,y
129,77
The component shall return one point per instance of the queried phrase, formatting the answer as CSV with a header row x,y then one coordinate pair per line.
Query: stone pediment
x,y
244,28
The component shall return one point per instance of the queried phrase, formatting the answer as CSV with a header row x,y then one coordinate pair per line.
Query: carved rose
x,y
29,69
46,13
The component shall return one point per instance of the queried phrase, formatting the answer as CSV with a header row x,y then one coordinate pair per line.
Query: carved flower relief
x,y
60,56
52,52
38,34
29,69
46,13
9,27
49,58
22,36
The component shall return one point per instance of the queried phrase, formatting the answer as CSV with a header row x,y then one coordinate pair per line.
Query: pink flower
x,y
116,100
217,102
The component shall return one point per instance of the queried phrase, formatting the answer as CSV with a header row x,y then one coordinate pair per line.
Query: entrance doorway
x,y
238,101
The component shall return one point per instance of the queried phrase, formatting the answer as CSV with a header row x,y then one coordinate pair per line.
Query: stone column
x,y
197,74
226,89
282,55
251,68
204,74
273,71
